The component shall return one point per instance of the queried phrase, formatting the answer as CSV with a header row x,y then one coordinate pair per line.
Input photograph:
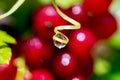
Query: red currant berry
x,y
77,77
8,71
103,26
85,63
77,12
80,45
97,7
36,52
42,75
64,65
45,19
81,41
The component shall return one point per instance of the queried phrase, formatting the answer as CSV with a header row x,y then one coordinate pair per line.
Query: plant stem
x,y
76,25
13,9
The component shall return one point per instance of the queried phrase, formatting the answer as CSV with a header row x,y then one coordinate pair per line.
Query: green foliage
x,y
44,1
67,3
114,76
4,37
115,40
101,67
5,50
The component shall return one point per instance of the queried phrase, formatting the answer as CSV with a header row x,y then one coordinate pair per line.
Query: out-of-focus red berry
x,y
103,26
64,65
42,74
97,6
45,19
36,52
81,40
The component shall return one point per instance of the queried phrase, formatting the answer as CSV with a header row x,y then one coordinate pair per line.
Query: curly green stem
x,y
75,25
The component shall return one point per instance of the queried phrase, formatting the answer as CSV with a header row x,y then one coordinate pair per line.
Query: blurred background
x,y
107,65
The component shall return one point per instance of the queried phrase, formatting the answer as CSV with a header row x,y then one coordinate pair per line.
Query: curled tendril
x,y
64,39
13,9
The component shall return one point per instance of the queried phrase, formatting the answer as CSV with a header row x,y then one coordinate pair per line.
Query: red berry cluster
x,y
7,72
74,62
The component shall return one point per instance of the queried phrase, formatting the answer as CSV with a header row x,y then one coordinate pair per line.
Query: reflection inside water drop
x,y
60,40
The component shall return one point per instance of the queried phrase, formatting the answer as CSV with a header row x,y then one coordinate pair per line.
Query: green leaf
x,y
2,43
6,38
5,53
5,50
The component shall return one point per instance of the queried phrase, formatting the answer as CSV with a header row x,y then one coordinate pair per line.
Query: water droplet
x,y
60,40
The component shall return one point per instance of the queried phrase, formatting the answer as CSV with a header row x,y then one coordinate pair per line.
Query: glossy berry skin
x,y
77,12
8,71
42,74
97,6
77,77
85,62
45,19
81,40
80,45
103,26
64,65
36,52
